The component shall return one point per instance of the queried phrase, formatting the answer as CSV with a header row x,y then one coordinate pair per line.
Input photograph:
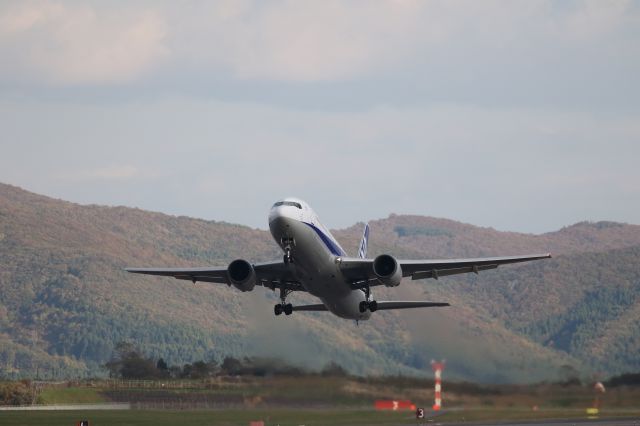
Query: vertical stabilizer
x,y
362,250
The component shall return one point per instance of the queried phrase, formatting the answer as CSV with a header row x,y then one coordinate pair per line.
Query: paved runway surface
x,y
568,422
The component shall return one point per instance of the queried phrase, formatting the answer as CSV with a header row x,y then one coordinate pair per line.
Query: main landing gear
x,y
367,304
283,306
287,308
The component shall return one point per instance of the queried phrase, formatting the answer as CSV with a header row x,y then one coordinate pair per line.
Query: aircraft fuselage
x,y
315,255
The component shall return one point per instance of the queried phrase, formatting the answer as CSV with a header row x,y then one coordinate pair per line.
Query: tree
x,y
175,371
569,375
162,365
128,363
199,370
137,367
333,369
16,393
231,366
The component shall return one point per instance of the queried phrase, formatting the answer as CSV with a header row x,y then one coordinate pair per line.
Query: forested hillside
x,y
65,301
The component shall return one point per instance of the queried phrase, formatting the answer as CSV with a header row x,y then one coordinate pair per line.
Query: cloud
x,y
115,172
295,42
320,41
76,43
593,18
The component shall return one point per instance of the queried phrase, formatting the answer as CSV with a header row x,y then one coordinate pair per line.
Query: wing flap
x,y
436,273
218,275
203,278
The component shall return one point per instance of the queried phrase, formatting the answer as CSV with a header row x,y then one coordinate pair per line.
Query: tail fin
x,y
362,250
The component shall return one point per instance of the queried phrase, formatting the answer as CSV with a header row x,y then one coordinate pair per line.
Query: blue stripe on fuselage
x,y
333,247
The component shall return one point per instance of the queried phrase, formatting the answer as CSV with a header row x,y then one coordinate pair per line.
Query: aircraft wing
x,y
361,270
269,274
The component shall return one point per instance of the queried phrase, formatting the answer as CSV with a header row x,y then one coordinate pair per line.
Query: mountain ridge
x,y
66,301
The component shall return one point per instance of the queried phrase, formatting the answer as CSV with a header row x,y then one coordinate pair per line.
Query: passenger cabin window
x,y
288,203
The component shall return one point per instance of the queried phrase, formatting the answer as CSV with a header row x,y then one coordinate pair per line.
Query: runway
x,y
568,422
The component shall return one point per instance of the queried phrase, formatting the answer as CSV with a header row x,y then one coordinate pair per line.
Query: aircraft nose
x,y
277,223
275,213
282,212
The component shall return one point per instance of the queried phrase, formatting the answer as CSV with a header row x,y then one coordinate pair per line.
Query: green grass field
x,y
338,393
70,396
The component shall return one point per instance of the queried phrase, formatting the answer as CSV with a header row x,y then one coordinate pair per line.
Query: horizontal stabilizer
x,y
382,306
408,305
310,308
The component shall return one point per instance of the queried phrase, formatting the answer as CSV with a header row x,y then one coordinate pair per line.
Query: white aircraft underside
x,y
314,262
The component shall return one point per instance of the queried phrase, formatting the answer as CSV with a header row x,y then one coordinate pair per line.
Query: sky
x,y
521,116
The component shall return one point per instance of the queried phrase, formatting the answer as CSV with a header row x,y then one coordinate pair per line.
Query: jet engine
x,y
387,270
242,275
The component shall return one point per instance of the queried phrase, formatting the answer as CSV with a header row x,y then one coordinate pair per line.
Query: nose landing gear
x,y
287,256
287,244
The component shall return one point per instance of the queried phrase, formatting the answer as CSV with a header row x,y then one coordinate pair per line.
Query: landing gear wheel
x,y
283,306
288,309
371,306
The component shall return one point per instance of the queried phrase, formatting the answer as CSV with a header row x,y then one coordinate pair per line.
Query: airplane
x,y
314,262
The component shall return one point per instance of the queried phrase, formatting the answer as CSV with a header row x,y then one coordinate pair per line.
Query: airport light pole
x,y
437,371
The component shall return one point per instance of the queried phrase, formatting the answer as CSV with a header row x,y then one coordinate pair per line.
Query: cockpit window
x,y
288,203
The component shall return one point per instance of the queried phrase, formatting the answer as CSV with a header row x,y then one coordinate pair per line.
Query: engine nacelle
x,y
242,275
387,270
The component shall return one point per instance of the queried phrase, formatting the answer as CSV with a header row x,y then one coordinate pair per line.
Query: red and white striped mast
x,y
437,371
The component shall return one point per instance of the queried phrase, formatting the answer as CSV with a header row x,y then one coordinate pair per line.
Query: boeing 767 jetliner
x,y
314,262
